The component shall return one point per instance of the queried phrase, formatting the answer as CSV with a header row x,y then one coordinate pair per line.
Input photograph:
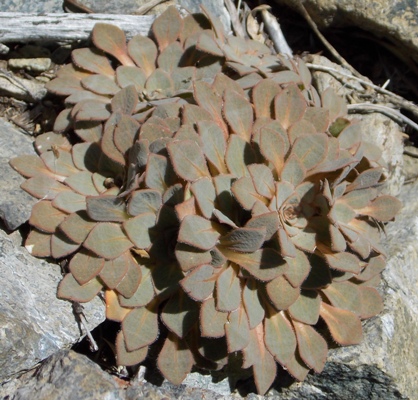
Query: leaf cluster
x,y
213,195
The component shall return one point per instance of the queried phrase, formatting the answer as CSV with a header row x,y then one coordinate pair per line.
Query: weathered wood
x,y
23,27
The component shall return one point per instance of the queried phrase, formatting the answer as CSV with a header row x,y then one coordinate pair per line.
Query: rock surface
x,y
15,204
34,324
393,21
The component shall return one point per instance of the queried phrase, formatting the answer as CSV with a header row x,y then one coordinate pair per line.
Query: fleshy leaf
x,y
281,293
345,326
77,226
93,61
175,360
306,307
108,240
200,283
130,282
167,27
237,330
45,217
198,232
312,346
70,289
212,321
384,208
228,290
252,303
125,357
310,149
371,302
204,192
244,240
38,243
139,229
106,208
238,113
344,295
113,271
85,266
144,52
140,328
144,201
289,106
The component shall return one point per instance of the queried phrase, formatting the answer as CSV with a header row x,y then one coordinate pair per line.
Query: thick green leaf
x,y
371,302
140,328
43,187
344,295
126,76
180,314
170,57
112,40
306,307
107,240
144,52
204,193
115,270
374,267
244,240
100,84
312,346
238,113
252,303
125,133
38,244
140,229
239,154
92,60
62,165
69,202
61,246
188,159
344,326
344,261
366,179
189,257
175,360
159,85
125,357
65,86
82,183
228,290
237,330
263,94
289,105
297,368
45,217
318,117
263,179
245,192
212,321
77,226
281,293
311,149
213,144
91,110
144,292
200,283
384,208
293,170
130,282
269,221
264,264
144,201
125,101
159,174
279,336
106,208
70,289
299,268
335,104
167,27
198,232
85,266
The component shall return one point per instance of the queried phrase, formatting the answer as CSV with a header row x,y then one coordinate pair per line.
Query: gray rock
x,y
31,6
65,375
34,324
15,203
31,64
395,22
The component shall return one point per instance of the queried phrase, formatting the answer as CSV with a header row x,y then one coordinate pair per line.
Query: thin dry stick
x,y
322,38
390,112
393,98
148,6
234,15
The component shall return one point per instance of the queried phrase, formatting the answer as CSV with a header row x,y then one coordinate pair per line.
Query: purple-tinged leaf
x,y
252,303
228,290
374,267
212,321
289,106
140,327
344,295
159,84
125,133
306,307
144,52
245,193
371,302
344,326
70,289
170,57
287,248
293,171
310,149
140,229
125,100
200,283
237,330
244,240
175,360
343,261
77,226
65,86
106,208
61,166
318,117
263,179
279,336
108,240
85,266
262,95
93,61
38,243
100,84
239,154
180,314
130,282
167,27
144,201
238,112
312,346
264,264
45,217
89,131
213,144
297,368
383,208
189,257
198,232
43,187
281,293
125,357
204,193
91,110
62,246
111,40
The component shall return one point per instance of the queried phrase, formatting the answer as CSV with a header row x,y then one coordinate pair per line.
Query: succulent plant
x,y
229,217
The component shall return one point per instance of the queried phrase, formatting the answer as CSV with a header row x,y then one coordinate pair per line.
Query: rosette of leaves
x,y
239,221
162,66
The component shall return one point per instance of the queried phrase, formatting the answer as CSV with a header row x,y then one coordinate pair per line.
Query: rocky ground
x,y
39,333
